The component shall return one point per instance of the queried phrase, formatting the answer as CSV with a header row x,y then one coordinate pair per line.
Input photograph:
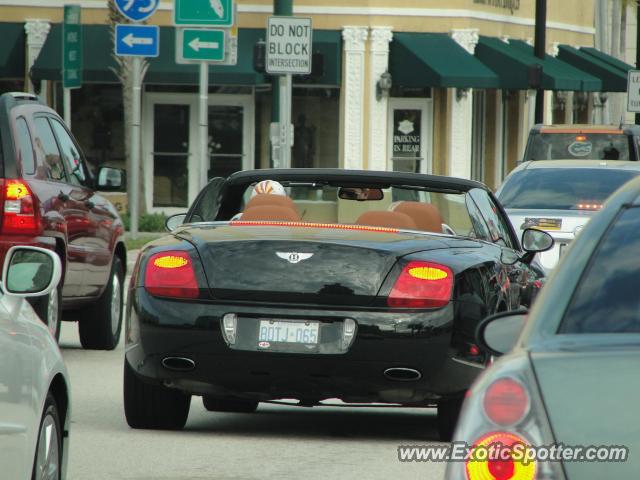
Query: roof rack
x,y
23,96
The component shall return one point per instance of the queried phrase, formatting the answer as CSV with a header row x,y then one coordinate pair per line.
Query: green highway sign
x,y
200,45
211,13
71,48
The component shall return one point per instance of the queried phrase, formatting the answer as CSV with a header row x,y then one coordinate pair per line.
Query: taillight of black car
x,y
171,274
20,213
422,285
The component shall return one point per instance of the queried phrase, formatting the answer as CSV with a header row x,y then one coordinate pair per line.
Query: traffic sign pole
x,y
289,45
283,8
285,130
204,123
135,146
136,41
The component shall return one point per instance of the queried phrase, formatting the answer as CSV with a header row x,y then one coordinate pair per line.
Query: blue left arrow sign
x,y
137,40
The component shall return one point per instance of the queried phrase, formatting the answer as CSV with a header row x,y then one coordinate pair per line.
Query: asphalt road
x,y
275,442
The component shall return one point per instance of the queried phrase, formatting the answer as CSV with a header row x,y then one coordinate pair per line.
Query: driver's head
x,y
269,187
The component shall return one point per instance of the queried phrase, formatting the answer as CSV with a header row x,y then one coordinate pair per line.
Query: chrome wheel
x,y
116,303
47,465
53,322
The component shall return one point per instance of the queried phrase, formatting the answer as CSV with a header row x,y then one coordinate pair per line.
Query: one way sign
x,y
137,40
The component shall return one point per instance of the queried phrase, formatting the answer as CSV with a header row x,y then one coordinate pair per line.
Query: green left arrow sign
x,y
200,45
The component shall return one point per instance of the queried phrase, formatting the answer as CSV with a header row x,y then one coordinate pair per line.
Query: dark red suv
x,y
48,199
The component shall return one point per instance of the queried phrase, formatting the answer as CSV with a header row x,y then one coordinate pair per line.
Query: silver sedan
x,y
34,385
560,196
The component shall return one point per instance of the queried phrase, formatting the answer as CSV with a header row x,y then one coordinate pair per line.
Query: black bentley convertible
x,y
354,285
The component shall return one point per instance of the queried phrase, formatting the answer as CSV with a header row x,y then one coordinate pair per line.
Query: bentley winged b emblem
x,y
294,257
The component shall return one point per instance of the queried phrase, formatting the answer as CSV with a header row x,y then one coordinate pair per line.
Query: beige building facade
x,y
428,86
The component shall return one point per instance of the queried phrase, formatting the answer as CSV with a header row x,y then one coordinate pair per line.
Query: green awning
x,y
589,83
511,61
96,55
610,59
435,60
613,79
12,52
99,59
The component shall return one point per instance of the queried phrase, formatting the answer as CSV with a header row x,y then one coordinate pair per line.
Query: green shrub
x,y
149,222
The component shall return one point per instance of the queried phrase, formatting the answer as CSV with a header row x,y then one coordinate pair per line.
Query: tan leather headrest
x,y
269,199
270,213
424,215
384,218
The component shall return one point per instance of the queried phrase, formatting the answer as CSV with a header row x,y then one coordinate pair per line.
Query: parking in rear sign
x,y
137,40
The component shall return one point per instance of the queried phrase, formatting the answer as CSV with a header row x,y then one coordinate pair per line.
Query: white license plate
x,y
289,332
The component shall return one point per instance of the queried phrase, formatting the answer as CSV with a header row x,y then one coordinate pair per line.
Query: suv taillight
x,y
20,214
171,274
422,285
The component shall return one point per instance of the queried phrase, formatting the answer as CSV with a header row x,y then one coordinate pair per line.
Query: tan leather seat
x,y
261,213
269,199
384,218
424,215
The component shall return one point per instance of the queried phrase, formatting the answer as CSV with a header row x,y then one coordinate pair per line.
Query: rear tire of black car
x,y
49,309
235,405
101,322
448,413
153,406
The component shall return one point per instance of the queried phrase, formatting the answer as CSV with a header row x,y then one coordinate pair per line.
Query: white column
x,y
354,50
378,109
462,113
37,32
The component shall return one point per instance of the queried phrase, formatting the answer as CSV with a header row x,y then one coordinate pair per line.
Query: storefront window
x,y
316,122
11,86
97,122
170,155
225,139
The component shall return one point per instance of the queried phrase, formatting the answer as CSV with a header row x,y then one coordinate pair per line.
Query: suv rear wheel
x,y
101,323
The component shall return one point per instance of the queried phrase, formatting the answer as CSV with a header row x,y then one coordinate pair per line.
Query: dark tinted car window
x,y
580,146
70,155
497,225
26,146
480,227
561,188
46,143
607,299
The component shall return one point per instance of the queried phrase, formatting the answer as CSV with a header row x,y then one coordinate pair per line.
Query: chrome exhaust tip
x,y
403,374
178,364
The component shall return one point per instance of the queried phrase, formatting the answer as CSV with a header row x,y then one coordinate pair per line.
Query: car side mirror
x,y
111,179
30,271
497,334
174,221
534,240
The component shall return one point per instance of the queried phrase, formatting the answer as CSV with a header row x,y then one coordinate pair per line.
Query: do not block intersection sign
x,y
289,45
